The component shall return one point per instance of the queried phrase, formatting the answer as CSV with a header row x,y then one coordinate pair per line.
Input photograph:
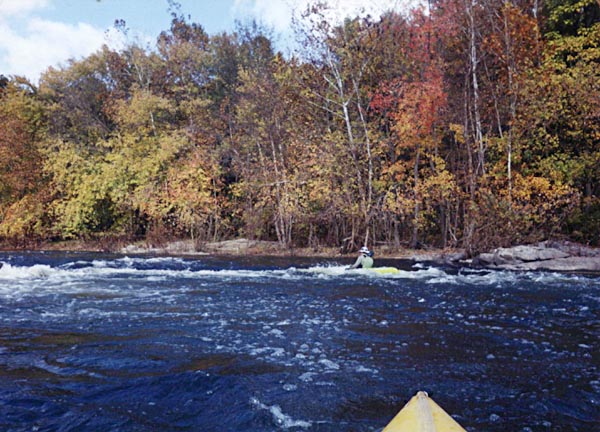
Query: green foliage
x,y
78,185
583,224
560,128
568,17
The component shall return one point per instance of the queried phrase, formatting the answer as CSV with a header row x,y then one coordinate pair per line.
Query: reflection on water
x,y
99,342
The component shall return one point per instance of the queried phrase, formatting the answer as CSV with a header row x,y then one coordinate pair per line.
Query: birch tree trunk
x,y
473,64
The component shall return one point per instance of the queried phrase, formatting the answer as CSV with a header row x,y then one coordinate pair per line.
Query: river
x,y
93,342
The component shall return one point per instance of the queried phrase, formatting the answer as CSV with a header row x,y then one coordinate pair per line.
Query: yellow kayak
x,y
384,270
422,414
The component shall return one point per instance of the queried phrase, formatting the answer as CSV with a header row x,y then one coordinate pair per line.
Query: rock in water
x,y
543,256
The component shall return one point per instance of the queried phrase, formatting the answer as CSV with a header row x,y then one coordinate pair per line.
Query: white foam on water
x,y
330,365
362,369
337,271
281,419
435,275
307,377
276,352
100,269
126,267
420,274
333,270
499,278
133,261
277,333
9,272
41,279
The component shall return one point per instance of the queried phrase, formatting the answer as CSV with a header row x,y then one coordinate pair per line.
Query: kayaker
x,y
364,260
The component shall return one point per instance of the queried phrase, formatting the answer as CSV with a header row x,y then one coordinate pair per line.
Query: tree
x,y
559,124
341,57
512,47
22,181
567,17
263,140
75,99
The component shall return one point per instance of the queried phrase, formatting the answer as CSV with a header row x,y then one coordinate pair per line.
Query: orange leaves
x,y
515,39
21,125
418,109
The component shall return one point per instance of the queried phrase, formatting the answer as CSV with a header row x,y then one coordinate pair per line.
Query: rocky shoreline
x,y
548,255
244,246
559,256
240,246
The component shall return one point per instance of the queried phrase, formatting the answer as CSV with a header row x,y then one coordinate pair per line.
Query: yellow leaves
x,y
155,176
187,193
533,208
78,184
23,218
435,186
439,187
399,204
539,197
458,132
144,113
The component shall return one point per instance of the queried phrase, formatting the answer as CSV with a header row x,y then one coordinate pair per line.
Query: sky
x,y
37,34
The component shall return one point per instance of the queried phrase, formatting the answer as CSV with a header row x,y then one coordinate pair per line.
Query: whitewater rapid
x,y
265,344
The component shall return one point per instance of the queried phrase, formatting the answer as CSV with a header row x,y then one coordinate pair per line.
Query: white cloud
x,y
29,44
278,13
10,8
30,51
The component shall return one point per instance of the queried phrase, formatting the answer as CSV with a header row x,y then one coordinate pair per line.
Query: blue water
x,y
92,342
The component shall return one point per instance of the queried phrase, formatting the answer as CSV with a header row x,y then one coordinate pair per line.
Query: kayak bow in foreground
x,y
422,414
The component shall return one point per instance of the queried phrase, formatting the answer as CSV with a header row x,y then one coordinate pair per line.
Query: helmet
x,y
364,250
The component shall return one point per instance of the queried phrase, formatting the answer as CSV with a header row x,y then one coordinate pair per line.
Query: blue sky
x,y
37,34
147,16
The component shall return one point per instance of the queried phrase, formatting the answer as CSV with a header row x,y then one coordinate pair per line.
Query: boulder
x,y
573,249
569,264
552,256
241,246
441,257
179,247
486,259
529,254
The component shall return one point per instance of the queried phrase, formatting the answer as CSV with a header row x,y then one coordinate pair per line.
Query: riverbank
x,y
560,256
240,247
548,256
235,247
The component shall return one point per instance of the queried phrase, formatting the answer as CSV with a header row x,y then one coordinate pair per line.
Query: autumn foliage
x,y
469,124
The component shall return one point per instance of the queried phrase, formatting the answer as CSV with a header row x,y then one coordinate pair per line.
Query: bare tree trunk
x,y
469,222
414,242
512,100
474,61
365,195
369,197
